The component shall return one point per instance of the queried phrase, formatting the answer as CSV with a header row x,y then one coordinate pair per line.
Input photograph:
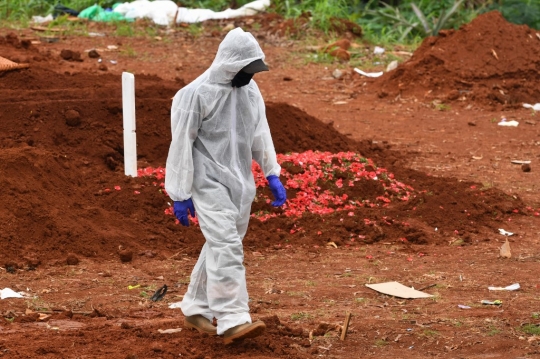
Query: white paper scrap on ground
x,y
378,50
368,74
9,293
170,331
175,305
398,290
514,286
535,107
505,233
505,123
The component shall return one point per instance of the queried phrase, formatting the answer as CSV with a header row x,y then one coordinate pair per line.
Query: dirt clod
x,y
72,259
93,54
125,255
70,55
73,118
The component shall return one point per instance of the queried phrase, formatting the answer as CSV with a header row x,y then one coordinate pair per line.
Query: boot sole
x,y
252,331
192,326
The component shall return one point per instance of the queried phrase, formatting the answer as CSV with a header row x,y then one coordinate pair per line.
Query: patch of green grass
x,y
184,280
329,302
37,305
381,343
442,107
310,283
492,331
430,333
360,300
532,329
195,29
124,29
128,51
319,58
300,316
535,315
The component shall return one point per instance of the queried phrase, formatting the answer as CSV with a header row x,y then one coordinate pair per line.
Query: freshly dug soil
x,y
489,61
62,165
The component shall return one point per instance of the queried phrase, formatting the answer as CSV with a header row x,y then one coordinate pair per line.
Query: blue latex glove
x,y
181,210
279,192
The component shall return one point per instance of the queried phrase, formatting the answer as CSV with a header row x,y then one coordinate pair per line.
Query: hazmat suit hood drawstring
x,y
237,50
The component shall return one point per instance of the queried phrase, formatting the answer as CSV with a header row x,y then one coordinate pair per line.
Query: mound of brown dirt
x,y
488,61
64,191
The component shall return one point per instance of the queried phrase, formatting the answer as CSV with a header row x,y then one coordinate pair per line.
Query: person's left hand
x,y
279,192
181,210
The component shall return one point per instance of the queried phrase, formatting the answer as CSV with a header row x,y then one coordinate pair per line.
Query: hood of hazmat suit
x,y
217,130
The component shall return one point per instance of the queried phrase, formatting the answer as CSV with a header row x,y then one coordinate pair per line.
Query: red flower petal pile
x,y
321,167
317,170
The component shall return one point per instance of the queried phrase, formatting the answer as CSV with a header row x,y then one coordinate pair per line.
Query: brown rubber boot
x,y
201,324
243,331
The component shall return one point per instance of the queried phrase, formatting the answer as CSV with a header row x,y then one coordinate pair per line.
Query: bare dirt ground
x,y
89,246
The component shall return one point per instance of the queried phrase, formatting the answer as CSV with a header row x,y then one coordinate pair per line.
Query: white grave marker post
x,y
130,136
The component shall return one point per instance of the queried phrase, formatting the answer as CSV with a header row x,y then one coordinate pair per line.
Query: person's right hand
x,y
181,210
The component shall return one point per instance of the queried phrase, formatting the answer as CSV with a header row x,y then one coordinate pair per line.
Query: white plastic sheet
x,y
164,12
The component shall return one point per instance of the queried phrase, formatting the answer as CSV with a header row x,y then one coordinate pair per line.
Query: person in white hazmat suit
x,y
219,125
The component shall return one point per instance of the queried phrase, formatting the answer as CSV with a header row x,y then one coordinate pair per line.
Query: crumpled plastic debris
x,y
490,302
378,50
42,19
368,74
506,123
505,233
535,107
514,286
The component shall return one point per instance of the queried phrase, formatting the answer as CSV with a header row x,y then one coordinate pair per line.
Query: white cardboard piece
x,y
398,290
9,293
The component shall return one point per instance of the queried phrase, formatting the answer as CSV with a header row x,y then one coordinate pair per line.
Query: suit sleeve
x,y
262,149
185,123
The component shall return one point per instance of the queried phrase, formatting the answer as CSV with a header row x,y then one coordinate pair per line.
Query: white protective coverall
x,y
216,132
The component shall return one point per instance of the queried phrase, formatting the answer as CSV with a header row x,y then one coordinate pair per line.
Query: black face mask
x,y
241,79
